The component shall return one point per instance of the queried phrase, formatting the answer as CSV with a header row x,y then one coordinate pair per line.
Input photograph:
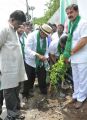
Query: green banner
x,y
63,5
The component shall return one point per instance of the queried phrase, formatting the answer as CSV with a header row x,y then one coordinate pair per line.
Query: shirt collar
x,y
11,26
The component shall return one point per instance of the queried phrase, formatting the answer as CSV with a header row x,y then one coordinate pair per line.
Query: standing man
x,y
36,52
28,27
23,32
22,37
76,51
12,66
53,47
27,30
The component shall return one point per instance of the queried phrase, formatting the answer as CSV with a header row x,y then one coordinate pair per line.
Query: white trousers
x,y
79,72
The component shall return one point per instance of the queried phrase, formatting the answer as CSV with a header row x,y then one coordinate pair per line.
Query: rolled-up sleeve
x,y
46,53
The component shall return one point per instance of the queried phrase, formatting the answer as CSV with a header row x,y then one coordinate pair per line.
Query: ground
x,y
53,107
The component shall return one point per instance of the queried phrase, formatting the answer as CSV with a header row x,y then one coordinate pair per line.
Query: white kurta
x,y
12,65
79,63
80,32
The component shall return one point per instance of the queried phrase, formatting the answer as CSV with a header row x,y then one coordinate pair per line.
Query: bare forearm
x,y
41,57
52,58
79,45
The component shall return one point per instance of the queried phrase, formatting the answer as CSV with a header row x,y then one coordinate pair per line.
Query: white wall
x,y
74,1
82,4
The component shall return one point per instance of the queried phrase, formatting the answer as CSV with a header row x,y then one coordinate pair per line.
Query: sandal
x,y
73,101
78,105
20,117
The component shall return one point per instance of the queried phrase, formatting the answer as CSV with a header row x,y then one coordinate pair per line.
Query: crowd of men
x,y
24,53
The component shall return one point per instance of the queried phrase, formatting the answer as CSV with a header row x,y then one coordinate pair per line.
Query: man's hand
x,y
66,60
72,52
79,45
41,57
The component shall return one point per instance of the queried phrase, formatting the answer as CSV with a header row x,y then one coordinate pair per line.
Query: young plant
x,y
58,71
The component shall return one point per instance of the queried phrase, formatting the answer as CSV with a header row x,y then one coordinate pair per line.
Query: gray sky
x,y
8,6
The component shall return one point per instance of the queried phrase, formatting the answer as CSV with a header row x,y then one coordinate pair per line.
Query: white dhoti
x,y
79,72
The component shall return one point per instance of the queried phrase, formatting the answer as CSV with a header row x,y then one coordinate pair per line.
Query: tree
x,y
52,6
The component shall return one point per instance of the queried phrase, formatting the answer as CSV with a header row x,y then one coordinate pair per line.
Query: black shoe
x,y
9,118
0,109
18,117
31,93
44,92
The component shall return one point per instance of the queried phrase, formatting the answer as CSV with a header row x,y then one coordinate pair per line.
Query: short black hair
x,y
54,25
63,39
50,24
74,6
27,23
18,15
61,25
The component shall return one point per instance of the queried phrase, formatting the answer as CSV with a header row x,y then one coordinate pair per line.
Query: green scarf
x,y
60,50
72,27
23,43
40,50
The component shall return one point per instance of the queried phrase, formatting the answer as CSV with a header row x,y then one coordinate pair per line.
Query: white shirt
x,y
53,47
80,32
55,36
30,48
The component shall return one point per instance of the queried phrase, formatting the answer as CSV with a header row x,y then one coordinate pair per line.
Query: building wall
x,y
82,4
74,1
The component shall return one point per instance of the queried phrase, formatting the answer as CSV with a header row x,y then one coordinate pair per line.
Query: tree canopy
x,y
51,6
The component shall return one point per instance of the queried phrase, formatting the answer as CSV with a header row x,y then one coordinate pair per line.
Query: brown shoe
x,y
78,105
72,101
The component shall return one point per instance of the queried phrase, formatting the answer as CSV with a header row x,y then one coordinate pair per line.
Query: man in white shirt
x,y
36,52
54,32
53,47
78,54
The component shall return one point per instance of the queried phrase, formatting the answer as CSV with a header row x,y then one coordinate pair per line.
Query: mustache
x,y
70,17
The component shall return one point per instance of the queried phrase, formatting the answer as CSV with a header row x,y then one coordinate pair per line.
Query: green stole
x,y
40,50
72,27
60,50
23,42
